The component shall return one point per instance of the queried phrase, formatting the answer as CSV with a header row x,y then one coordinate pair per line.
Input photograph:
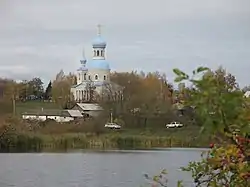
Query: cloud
x,y
38,38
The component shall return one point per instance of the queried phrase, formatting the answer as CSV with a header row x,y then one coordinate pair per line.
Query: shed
x,y
92,109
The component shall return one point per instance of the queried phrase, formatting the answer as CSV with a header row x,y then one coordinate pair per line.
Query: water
x,y
93,169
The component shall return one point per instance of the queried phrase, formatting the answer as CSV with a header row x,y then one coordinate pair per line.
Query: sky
x,y
39,38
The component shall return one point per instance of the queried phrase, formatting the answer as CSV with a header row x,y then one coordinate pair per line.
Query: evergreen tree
x,y
48,90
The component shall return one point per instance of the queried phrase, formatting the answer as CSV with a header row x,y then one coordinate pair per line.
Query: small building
x,y
89,109
57,115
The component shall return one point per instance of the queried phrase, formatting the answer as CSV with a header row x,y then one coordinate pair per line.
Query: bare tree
x,y
91,95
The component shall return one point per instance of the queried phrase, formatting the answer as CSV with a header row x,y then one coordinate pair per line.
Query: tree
x,y
223,112
91,92
215,96
144,96
35,87
246,88
225,78
48,91
23,90
158,94
61,93
60,76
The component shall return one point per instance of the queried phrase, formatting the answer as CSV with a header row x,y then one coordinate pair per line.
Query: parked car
x,y
112,126
174,125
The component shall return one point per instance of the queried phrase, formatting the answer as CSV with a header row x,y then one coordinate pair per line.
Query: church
x,y
93,76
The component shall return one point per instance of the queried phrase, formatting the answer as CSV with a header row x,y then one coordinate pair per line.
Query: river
x,y
93,169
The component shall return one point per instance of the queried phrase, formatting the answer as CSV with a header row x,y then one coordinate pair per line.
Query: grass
x,y
53,136
34,105
36,142
23,136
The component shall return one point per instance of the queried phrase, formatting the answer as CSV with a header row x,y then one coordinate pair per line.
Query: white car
x,y
112,126
174,124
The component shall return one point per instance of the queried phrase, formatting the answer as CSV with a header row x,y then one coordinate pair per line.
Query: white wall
x,y
43,118
100,72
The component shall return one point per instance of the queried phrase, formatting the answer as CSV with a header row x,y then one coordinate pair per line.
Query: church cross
x,y
99,29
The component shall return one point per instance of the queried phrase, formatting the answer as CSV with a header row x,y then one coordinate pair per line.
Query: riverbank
x,y
37,142
30,136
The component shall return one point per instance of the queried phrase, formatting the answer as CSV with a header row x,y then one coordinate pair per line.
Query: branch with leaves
x,y
223,112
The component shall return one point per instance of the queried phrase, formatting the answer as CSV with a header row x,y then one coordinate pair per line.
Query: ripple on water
x,y
111,168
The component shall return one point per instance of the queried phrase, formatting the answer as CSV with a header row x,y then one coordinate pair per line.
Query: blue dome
x,y
99,42
82,68
98,64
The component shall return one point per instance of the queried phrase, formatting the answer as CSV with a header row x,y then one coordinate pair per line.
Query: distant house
x,y
91,109
57,115
247,94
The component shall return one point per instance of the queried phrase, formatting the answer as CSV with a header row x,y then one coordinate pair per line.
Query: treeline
x,y
148,102
146,96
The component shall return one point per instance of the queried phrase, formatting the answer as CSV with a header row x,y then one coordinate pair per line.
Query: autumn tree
x,y
23,88
211,95
6,88
223,113
61,93
143,89
229,80
144,95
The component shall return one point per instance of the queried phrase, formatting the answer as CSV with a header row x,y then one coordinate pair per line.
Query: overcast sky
x,y
40,37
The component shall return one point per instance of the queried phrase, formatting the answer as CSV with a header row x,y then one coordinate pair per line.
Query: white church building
x,y
93,76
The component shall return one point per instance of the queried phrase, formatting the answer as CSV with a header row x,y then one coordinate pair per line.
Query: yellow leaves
x,y
61,89
241,166
143,90
156,178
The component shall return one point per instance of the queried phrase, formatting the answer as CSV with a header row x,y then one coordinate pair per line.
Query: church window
x,y
97,53
104,77
79,76
96,77
84,95
85,76
89,77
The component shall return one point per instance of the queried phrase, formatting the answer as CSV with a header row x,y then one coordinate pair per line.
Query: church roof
x,y
82,68
98,83
99,42
98,64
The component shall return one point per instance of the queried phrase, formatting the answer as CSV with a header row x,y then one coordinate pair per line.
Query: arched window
x,y
104,77
101,52
94,52
89,77
79,76
85,76
85,95
97,53
96,77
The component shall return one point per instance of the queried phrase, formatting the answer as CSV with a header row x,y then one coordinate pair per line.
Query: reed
x,y
36,142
